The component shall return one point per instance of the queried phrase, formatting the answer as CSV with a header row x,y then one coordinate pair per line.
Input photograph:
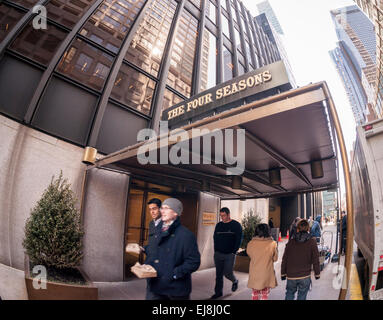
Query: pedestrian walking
x,y
154,206
293,228
174,256
300,256
227,239
263,252
344,232
316,229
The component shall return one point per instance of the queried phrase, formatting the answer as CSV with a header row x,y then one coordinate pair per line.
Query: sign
x,y
247,85
209,219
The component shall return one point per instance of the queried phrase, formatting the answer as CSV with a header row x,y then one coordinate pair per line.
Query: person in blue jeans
x,y
301,254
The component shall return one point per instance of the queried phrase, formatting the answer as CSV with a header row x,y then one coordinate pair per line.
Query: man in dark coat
x,y
316,229
344,232
175,256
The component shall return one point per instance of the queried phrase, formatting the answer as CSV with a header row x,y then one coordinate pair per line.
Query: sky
x,y
309,34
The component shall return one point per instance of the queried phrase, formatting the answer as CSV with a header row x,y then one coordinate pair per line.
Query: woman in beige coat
x,y
263,252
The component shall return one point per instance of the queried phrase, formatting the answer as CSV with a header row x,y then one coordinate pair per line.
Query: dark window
x,y
39,45
68,12
18,82
119,129
86,64
66,111
8,18
133,89
148,44
112,21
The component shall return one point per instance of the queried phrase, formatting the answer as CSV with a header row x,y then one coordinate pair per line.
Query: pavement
x,y
203,282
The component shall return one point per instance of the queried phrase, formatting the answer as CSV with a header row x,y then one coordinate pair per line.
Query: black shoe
x,y
215,296
234,287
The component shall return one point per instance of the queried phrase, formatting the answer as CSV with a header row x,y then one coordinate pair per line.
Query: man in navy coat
x,y
175,256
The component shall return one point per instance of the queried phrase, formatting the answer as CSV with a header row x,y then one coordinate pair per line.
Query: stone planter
x,y
60,291
242,264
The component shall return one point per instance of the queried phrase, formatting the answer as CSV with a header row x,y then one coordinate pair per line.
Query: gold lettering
x,y
234,88
195,103
226,91
208,98
170,114
250,82
258,79
266,76
218,94
242,85
181,110
189,106
201,101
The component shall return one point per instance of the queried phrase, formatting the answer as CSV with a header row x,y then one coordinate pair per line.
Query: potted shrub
x,y
249,222
53,244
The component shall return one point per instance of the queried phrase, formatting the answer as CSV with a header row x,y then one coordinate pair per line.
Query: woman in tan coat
x,y
263,252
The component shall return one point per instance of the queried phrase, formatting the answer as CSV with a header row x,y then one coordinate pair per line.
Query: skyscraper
x,y
265,7
355,59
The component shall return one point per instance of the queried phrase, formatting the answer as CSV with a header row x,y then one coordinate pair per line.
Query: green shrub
x,y
53,232
249,222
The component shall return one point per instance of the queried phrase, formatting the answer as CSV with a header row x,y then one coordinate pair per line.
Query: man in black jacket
x,y
175,256
227,239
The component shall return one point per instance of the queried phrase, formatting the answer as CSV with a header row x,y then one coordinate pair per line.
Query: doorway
x,y
138,216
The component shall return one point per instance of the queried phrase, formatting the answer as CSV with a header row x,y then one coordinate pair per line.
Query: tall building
x,y
265,7
100,72
329,199
355,60
374,10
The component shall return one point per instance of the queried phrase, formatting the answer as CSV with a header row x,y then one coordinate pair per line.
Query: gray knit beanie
x,y
174,204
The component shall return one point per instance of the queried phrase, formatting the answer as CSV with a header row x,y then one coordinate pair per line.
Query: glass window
x,y
223,4
225,26
211,10
39,45
66,110
8,18
209,61
68,12
182,57
241,69
170,99
26,3
112,21
197,3
238,39
133,89
228,66
86,64
233,13
147,47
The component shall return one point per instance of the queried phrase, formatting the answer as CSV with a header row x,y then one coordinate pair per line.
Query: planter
x,y
242,264
61,291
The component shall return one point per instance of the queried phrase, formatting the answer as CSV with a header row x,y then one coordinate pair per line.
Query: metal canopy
x,y
287,131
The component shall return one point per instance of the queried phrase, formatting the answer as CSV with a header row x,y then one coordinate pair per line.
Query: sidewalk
x,y
204,282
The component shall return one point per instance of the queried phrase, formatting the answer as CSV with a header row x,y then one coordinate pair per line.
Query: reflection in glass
x,y
209,61
148,44
86,64
170,99
223,4
112,21
26,3
67,12
197,3
133,89
8,18
234,15
39,45
241,69
182,58
211,12
238,39
225,26
228,66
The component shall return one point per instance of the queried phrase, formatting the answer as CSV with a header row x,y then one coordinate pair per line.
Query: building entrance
x,y
138,216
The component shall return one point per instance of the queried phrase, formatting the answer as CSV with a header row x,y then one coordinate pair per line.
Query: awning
x,y
287,136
